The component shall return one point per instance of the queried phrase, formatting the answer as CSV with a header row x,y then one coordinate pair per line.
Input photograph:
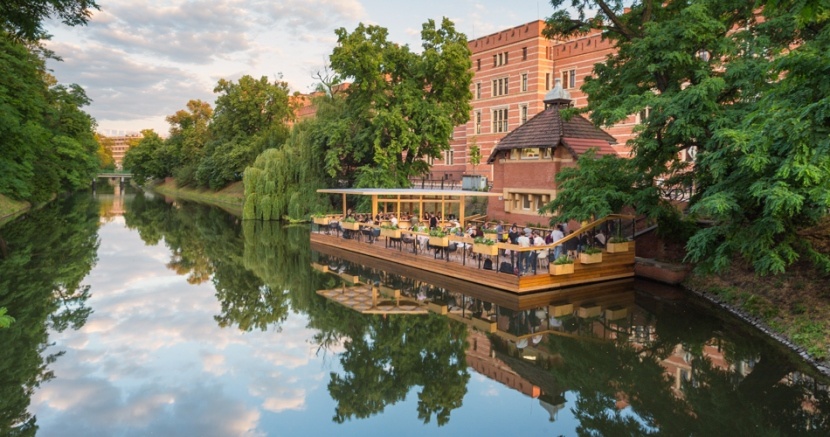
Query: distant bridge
x,y
119,174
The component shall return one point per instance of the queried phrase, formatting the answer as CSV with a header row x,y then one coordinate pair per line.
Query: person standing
x,y
433,221
558,234
524,241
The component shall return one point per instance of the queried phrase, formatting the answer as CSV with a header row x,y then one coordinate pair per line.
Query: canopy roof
x,y
406,192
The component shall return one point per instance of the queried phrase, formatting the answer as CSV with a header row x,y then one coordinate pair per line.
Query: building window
x,y
523,114
478,64
514,154
478,122
499,87
524,53
530,153
449,157
526,201
546,152
569,79
547,81
524,82
644,114
430,160
478,90
500,120
500,59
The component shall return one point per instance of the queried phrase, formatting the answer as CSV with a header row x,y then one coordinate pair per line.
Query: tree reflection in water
x,y
44,258
666,369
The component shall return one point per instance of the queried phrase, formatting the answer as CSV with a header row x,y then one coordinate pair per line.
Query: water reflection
x,y
207,325
44,258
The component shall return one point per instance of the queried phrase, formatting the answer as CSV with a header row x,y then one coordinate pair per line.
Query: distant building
x,y
119,145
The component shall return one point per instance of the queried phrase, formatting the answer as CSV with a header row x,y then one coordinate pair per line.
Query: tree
x,y
23,19
474,154
400,108
189,134
105,159
702,74
250,116
144,160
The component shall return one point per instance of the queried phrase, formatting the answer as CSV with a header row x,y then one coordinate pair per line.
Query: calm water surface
x,y
139,316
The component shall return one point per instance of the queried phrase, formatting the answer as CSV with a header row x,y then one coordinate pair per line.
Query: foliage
x,y
591,250
105,159
5,319
144,160
23,19
437,233
474,153
483,240
563,259
250,117
43,261
737,84
400,108
46,139
283,182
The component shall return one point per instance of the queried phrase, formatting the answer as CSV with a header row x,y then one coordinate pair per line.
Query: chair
x,y
451,248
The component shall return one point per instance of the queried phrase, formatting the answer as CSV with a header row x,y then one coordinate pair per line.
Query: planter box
x,y
437,308
389,292
484,325
561,309
348,277
439,241
486,249
617,247
322,220
589,310
584,258
320,267
616,312
561,269
352,226
391,233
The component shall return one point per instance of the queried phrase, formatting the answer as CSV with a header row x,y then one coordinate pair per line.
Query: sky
x,y
142,60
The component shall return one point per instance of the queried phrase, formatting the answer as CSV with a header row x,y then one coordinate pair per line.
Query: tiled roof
x,y
549,129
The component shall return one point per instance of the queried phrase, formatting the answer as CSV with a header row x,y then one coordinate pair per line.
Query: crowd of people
x,y
527,261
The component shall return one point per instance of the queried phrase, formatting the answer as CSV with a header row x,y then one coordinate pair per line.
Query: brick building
x,y
119,144
514,69
526,161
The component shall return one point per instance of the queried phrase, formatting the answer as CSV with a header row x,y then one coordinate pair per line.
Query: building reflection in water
x,y
517,340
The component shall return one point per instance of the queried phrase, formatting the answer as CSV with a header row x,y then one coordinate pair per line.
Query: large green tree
x,y
401,106
251,115
711,77
47,141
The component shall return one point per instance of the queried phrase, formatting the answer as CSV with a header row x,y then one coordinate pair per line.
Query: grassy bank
x,y
229,198
10,209
795,304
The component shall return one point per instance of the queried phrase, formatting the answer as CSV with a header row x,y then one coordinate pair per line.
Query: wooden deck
x,y
460,273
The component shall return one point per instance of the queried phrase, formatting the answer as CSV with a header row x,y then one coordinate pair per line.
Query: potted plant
x,y
438,238
390,230
321,219
350,223
485,246
563,265
617,244
591,255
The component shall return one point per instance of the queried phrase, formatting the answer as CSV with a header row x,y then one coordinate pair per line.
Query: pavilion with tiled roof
x,y
548,129
526,161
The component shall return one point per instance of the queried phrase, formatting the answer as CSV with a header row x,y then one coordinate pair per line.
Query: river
x,y
139,315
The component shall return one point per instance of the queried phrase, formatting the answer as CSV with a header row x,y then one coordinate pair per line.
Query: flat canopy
x,y
411,197
406,192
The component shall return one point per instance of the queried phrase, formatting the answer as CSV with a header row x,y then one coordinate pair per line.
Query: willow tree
x,y
400,107
739,84
283,182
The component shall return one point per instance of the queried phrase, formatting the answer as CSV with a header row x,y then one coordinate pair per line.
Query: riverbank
x,y
230,198
793,307
9,209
